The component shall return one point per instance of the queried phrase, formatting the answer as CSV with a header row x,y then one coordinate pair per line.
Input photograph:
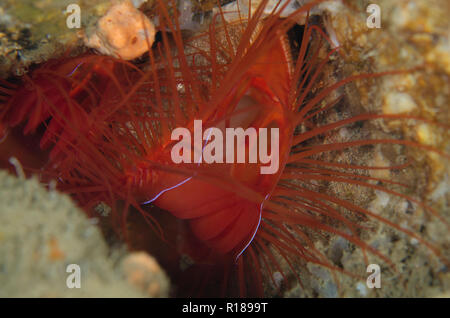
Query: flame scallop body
x,y
86,106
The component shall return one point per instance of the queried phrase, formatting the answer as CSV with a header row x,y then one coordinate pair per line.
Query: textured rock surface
x,y
413,33
35,31
42,233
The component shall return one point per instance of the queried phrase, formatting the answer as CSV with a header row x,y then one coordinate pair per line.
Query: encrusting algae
x,y
42,233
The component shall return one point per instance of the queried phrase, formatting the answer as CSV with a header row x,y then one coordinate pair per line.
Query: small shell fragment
x,y
123,32
142,271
